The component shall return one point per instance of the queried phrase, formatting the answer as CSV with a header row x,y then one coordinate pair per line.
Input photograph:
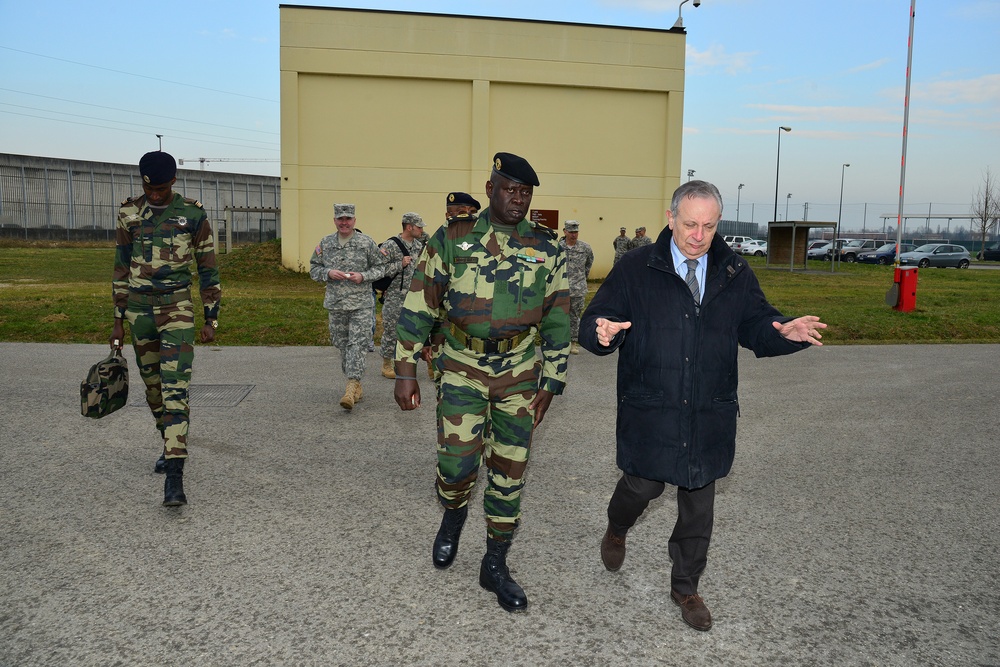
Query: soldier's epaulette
x,y
544,231
461,217
129,200
193,202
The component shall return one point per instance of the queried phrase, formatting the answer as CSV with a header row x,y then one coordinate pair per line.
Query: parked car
x,y
816,244
731,241
820,252
990,253
849,251
937,254
753,247
739,245
884,254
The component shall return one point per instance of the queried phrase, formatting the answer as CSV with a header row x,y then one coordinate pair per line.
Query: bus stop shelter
x,y
787,241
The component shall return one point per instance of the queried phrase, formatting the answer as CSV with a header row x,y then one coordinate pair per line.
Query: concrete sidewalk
x,y
860,525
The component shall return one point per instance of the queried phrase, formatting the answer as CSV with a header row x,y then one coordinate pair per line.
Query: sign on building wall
x,y
547,217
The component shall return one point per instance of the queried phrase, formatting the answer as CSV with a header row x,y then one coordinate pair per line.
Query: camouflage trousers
x,y
391,307
163,339
483,416
350,332
575,312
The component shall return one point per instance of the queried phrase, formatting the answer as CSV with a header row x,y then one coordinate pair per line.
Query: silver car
x,y
937,254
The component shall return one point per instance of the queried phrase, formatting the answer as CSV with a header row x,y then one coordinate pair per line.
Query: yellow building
x,y
392,110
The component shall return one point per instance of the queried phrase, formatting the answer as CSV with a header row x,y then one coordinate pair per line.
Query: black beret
x,y
461,199
157,168
515,168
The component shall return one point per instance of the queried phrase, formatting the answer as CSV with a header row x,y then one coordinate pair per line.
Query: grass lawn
x,y
61,292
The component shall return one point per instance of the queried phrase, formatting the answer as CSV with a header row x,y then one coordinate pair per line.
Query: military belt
x,y
489,345
158,298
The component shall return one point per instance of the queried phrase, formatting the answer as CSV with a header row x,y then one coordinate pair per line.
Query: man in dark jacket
x,y
676,311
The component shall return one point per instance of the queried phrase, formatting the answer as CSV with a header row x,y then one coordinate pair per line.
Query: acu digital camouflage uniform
x,y
488,285
622,244
152,289
392,301
639,241
349,304
579,259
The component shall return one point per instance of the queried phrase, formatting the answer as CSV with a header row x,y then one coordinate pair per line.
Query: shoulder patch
x,y
193,202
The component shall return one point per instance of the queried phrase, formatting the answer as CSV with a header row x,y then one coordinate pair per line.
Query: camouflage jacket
x,y
154,252
579,259
639,241
622,244
394,258
490,285
359,255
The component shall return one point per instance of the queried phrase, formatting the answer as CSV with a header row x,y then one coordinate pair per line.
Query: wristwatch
x,y
214,323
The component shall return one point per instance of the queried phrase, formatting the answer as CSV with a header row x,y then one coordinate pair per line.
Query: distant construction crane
x,y
206,160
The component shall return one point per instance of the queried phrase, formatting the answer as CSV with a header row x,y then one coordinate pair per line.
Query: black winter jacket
x,y
677,364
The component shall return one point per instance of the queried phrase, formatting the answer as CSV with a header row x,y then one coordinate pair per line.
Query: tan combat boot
x,y
347,401
387,369
357,391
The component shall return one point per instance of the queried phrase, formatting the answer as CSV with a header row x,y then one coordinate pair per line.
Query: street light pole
x,y
777,168
836,255
739,190
160,139
690,174
787,198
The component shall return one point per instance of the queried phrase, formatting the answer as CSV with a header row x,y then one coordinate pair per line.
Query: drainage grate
x,y
204,395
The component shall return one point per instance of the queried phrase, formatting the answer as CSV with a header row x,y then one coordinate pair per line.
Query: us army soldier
x,y
579,259
347,262
403,266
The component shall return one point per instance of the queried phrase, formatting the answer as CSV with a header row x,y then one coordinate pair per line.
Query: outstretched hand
x,y
606,330
803,329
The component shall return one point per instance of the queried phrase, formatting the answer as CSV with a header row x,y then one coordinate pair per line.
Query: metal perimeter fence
x,y
56,199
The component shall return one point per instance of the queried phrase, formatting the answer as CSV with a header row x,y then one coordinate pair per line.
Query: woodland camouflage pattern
x,y
151,287
106,387
489,285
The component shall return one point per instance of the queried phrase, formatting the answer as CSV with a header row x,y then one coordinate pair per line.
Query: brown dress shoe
x,y
693,610
613,550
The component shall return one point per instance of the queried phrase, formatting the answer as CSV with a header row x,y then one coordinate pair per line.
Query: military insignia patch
x,y
451,198
497,165
464,245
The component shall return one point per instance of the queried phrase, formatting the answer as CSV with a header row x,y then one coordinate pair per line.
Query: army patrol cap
x,y
639,229
515,168
343,210
413,219
572,226
622,229
461,199
157,168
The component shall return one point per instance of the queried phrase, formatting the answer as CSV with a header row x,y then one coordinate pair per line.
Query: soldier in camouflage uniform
x,y
579,259
159,235
622,244
458,206
347,262
497,280
402,266
640,239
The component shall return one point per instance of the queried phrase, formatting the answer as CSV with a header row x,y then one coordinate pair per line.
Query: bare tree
x,y
986,206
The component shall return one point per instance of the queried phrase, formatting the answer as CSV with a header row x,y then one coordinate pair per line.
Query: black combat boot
x,y
160,466
446,542
173,485
494,576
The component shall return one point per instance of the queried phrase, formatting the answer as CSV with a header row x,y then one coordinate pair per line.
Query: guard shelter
x,y
788,240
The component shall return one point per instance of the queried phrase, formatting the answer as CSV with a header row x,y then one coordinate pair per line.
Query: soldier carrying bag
x,y
106,387
382,284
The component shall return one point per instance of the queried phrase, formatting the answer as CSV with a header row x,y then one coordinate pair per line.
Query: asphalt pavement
x,y
860,525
